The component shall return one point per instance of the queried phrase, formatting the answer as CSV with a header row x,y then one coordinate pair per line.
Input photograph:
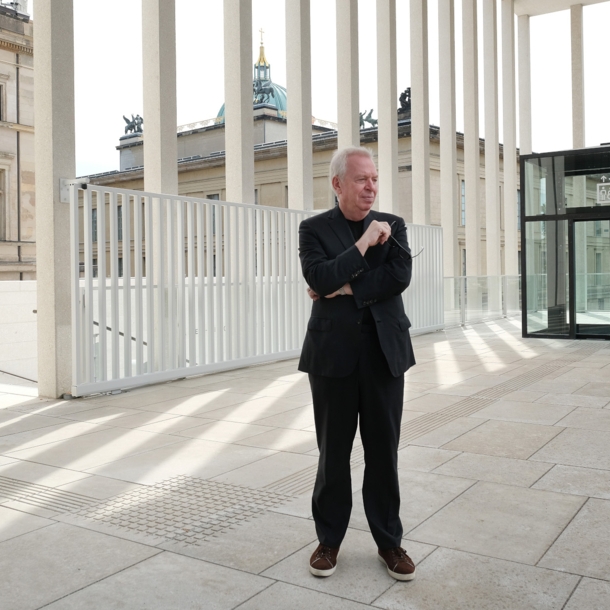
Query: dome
x,y
264,90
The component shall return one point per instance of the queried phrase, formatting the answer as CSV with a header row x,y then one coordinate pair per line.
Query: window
x,y
518,210
2,117
286,196
598,229
120,267
120,223
501,201
94,267
598,268
255,196
463,204
464,261
94,224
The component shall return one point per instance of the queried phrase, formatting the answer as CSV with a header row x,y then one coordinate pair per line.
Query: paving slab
x,y
575,400
423,459
255,409
14,523
577,447
12,422
501,521
430,403
524,412
583,546
297,419
588,419
282,596
494,469
40,474
195,457
174,424
83,452
224,431
268,470
253,546
594,388
60,430
590,482
504,439
44,565
453,580
98,487
590,594
422,495
168,581
283,439
447,432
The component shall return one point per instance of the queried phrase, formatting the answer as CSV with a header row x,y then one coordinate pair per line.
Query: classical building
x,y
17,197
201,162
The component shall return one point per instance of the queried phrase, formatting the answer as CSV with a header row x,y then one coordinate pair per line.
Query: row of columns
x,y
55,154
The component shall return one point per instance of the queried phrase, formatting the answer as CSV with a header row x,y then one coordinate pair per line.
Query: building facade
x,y
17,194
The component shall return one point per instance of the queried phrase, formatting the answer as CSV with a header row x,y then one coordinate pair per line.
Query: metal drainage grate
x,y
42,496
183,509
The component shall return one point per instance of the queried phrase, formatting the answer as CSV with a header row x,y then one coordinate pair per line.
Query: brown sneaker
x,y
400,565
323,562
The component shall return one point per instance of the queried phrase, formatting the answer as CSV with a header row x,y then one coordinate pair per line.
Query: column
x,y
239,122
492,144
420,121
298,81
511,266
54,118
525,87
471,137
160,113
449,185
348,81
387,96
578,77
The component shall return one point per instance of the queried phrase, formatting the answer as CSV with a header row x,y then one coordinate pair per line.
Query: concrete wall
x,y
18,329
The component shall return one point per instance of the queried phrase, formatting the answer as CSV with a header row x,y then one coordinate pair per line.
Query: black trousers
x,y
372,394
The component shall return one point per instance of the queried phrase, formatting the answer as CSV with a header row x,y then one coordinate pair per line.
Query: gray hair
x,y
338,163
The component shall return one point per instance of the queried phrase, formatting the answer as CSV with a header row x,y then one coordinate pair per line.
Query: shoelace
x,y
401,555
323,553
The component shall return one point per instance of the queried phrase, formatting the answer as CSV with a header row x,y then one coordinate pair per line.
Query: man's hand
x,y
377,233
313,295
344,290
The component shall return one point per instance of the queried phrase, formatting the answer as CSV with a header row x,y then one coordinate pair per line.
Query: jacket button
x,y
359,321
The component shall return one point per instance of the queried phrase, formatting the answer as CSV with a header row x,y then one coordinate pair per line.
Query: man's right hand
x,y
377,233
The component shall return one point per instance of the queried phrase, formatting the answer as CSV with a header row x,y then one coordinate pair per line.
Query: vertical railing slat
x,y
102,355
88,256
192,355
126,251
75,289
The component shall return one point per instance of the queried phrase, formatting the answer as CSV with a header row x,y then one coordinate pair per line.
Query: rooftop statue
x,y
134,125
263,91
405,101
372,122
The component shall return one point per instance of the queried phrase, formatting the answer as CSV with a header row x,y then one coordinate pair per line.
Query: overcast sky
x,y
108,68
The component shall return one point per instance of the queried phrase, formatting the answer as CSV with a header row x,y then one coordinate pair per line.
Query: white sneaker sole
x,y
395,574
325,573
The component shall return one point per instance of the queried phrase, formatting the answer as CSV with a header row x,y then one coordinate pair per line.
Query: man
x,y
357,263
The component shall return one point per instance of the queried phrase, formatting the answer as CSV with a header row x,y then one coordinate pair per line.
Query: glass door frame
x,y
571,215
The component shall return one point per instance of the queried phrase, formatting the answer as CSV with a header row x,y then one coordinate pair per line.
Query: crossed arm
x,y
349,273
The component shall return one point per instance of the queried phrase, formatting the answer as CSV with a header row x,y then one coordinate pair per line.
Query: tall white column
x,y
54,117
525,87
298,81
387,96
348,81
471,137
509,113
239,123
578,77
420,113
449,185
492,140
160,109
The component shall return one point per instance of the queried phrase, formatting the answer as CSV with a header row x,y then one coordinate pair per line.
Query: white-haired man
x,y
357,263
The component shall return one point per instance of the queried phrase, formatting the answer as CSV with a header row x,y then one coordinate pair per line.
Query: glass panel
x,y
547,277
544,186
587,191
592,259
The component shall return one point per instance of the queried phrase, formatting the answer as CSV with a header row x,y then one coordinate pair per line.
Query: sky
x,y
108,68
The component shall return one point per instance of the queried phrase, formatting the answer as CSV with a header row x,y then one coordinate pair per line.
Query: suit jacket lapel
x,y
339,225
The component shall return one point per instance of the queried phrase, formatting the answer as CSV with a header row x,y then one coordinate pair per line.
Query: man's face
x,y
357,190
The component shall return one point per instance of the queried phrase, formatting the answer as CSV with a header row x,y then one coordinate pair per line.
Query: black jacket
x,y
329,259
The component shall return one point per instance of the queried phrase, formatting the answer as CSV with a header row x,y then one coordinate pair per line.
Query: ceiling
x,y
541,7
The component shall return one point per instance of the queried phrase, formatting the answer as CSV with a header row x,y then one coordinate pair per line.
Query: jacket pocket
x,y
404,323
324,324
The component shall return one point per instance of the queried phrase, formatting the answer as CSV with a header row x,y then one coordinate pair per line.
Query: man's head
x,y
354,180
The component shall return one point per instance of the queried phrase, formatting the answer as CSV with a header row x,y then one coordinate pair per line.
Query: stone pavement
x,y
196,493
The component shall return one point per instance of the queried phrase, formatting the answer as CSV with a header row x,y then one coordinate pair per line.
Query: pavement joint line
x,y
572,592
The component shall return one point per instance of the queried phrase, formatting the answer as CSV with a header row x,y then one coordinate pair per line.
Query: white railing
x,y
199,124
214,286
473,299
208,286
